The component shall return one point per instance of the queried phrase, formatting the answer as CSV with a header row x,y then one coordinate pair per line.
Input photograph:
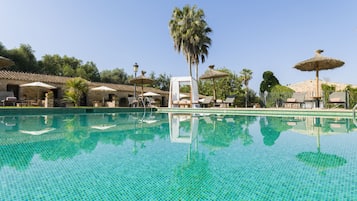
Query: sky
x,y
258,35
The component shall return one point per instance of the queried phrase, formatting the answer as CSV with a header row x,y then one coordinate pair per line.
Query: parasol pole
x,y
214,90
102,98
317,83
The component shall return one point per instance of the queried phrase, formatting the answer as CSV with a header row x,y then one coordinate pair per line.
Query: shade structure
x,y
37,132
150,94
141,80
213,74
317,63
103,126
103,89
5,62
38,86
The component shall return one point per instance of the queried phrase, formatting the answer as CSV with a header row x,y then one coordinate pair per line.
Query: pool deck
x,y
347,113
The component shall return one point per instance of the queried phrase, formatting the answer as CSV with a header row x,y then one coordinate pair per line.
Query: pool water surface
x,y
166,156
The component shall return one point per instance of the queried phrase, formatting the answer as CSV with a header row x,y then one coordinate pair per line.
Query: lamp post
x,y
135,67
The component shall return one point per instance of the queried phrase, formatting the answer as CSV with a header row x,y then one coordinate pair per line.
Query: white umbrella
x,y
38,85
103,126
150,94
40,132
102,89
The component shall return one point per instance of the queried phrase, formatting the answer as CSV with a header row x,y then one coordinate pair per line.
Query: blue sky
x,y
255,34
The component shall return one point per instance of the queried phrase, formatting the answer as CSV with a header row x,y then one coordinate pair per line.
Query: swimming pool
x,y
168,156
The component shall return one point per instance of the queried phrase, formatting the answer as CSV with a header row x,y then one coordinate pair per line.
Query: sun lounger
x,y
228,102
207,101
296,101
132,102
8,98
339,98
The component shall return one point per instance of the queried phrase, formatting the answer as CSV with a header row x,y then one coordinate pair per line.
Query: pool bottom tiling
x,y
161,156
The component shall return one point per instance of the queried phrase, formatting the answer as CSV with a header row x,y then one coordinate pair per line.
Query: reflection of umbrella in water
x,y
102,89
103,126
320,160
5,62
37,132
318,63
38,85
141,80
213,74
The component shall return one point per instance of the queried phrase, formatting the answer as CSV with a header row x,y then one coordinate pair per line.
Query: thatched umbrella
x,y
5,62
318,63
141,80
213,74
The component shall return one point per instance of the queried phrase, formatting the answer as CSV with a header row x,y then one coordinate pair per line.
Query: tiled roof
x,y
11,75
31,77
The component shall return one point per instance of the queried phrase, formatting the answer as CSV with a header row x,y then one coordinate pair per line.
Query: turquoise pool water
x,y
160,156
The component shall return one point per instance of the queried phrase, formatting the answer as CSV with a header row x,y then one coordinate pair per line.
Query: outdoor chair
x,y
7,98
150,102
132,102
206,102
296,101
339,98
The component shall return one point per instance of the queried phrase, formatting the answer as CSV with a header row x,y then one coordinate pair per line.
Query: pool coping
x,y
347,113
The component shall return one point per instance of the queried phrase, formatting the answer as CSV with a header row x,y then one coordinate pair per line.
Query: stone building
x,y
10,81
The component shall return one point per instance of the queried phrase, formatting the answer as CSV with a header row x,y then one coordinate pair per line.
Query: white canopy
x,y
150,94
38,84
102,88
175,90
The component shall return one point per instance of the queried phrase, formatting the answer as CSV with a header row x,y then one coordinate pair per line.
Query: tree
x,y
246,76
161,82
90,71
116,76
227,86
189,31
277,95
74,90
24,58
269,81
51,64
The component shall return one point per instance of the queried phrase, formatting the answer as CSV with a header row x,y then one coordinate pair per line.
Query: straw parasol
x,y
213,74
141,80
317,63
5,62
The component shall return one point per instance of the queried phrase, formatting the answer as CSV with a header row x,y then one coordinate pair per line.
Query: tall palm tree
x,y
246,76
189,32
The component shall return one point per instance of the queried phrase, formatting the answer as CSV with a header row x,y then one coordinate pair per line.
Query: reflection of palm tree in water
x,y
191,177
